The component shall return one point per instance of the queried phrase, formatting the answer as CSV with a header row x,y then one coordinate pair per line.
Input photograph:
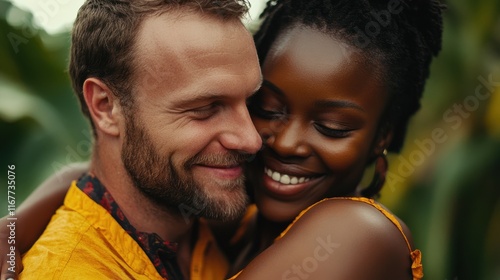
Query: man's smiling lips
x,y
229,172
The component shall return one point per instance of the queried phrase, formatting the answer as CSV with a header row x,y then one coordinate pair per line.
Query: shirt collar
x,y
161,253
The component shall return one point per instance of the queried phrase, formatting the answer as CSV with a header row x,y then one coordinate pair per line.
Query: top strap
x,y
416,255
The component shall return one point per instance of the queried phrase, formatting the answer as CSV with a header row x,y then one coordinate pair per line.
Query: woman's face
x,y
318,113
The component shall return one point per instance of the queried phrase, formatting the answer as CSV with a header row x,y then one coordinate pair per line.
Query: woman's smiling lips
x,y
286,185
284,178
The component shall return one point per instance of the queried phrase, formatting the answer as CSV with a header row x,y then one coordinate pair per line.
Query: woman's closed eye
x,y
268,113
333,132
267,105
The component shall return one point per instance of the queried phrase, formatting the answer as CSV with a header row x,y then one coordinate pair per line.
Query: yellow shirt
x,y
83,241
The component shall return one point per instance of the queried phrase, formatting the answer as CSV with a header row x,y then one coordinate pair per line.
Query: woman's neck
x,y
267,231
263,234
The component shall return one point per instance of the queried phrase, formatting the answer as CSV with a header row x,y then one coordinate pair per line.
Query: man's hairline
x,y
182,11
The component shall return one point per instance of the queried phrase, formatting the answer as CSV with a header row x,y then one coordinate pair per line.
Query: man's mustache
x,y
222,160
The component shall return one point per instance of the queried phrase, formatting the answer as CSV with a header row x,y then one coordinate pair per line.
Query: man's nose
x,y
241,134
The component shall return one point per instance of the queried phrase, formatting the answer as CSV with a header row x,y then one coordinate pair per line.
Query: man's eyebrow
x,y
337,104
257,88
198,98
209,96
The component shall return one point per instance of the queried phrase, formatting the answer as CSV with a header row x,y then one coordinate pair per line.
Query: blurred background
x,y
445,184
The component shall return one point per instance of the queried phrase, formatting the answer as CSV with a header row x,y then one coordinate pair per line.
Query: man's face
x,y
189,131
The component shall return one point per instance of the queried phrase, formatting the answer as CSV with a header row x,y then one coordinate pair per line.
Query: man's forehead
x,y
189,33
185,43
194,53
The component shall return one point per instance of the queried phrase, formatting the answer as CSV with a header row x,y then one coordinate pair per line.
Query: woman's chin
x,y
277,211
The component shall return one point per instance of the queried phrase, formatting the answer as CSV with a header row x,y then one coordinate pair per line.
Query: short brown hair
x,y
104,33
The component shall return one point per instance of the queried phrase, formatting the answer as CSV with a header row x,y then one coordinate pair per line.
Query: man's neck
x,y
143,214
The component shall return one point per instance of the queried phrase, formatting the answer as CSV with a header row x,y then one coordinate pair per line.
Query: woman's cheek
x,y
340,154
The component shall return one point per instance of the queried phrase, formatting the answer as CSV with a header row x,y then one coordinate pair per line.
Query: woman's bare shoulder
x,y
359,214
340,239
374,242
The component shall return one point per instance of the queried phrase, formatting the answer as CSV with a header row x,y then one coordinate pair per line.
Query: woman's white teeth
x,y
284,178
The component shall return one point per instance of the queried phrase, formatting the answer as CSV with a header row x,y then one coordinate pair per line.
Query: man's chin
x,y
225,205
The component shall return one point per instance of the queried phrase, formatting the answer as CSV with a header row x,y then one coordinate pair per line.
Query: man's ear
x,y
383,140
104,107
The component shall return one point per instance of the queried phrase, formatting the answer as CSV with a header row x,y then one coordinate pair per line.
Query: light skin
x,y
186,105
209,78
201,126
319,113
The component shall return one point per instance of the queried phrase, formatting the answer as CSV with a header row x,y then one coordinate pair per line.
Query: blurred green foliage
x,y
40,120
447,191
451,197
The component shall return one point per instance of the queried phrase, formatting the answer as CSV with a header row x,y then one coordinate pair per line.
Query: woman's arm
x,y
34,214
336,239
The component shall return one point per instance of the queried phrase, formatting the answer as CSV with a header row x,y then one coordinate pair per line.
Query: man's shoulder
x,y
56,249
85,244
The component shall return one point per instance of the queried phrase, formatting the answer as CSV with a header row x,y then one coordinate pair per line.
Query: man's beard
x,y
174,187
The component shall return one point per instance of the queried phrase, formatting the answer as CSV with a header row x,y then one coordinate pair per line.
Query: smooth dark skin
x,y
309,68
332,103
330,129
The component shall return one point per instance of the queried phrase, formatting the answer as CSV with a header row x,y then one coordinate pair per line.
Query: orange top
x,y
416,255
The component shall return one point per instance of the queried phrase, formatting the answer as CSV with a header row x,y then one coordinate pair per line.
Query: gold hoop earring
x,y
381,166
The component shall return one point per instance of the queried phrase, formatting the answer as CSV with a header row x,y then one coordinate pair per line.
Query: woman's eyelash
x,y
330,132
267,114
276,114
